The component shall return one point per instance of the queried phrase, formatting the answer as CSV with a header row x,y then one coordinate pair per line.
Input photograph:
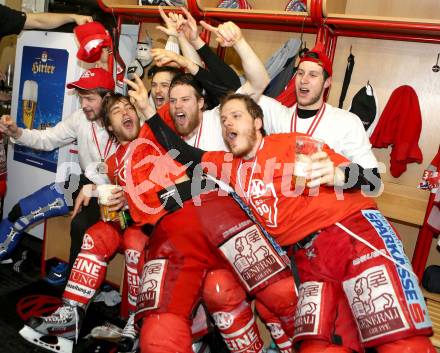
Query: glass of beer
x,y
30,98
104,193
305,146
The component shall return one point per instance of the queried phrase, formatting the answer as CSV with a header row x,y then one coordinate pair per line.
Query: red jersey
x,y
116,165
116,162
149,170
288,211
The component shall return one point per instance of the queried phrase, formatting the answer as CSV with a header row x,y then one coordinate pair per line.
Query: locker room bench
x,y
433,303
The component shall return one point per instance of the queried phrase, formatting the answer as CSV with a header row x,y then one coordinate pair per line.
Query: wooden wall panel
x,y
388,65
120,2
395,8
57,245
265,43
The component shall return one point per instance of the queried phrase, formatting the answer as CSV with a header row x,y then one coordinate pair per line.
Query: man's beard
x,y
185,130
314,99
251,138
92,116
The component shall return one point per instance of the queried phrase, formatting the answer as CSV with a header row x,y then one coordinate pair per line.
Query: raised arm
x,y
46,140
221,71
174,27
229,35
45,20
164,57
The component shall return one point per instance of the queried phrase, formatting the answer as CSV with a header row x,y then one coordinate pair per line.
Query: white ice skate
x,y
129,341
49,342
54,332
64,322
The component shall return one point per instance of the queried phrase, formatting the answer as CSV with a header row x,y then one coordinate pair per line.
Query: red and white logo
x,y
87,243
132,256
223,320
253,258
374,304
151,287
264,200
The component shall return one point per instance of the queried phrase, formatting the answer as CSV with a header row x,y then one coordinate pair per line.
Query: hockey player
x,y
102,240
181,251
203,130
94,146
368,266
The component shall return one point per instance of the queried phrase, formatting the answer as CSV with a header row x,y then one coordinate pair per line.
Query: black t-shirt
x,y
12,21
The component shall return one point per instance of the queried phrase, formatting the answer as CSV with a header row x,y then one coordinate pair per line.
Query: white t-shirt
x,y
209,138
341,130
74,127
209,135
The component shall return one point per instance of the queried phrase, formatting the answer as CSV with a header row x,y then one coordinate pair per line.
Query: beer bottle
x,y
125,219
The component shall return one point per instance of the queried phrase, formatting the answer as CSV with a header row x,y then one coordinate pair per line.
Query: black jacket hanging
x,y
347,79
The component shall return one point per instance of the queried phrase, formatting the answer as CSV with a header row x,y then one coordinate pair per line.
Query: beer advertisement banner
x,y
40,99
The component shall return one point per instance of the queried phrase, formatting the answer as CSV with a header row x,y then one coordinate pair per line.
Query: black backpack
x,y
431,279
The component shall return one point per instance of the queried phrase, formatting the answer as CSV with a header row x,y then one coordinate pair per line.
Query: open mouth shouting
x,y
231,137
180,118
303,92
159,101
128,123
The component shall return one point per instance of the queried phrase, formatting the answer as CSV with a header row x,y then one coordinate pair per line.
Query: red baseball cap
x,y
92,37
317,55
94,78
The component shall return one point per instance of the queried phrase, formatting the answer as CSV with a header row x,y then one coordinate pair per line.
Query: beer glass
x,y
305,146
30,98
104,193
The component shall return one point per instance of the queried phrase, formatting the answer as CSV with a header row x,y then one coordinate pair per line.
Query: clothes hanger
x,y
436,68
303,47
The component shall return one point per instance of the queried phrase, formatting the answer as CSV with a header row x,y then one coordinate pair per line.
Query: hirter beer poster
x,y
40,100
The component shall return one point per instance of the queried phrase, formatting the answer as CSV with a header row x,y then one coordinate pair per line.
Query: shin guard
x,y
86,277
132,277
134,243
9,238
280,299
276,330
44,203
226,301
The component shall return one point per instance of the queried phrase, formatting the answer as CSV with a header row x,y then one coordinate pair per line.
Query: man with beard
x,y
337,242
340,129
101,241
238,325
201,129
94,146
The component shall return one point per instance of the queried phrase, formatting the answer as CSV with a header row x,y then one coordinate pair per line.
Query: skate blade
x,y
51,343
